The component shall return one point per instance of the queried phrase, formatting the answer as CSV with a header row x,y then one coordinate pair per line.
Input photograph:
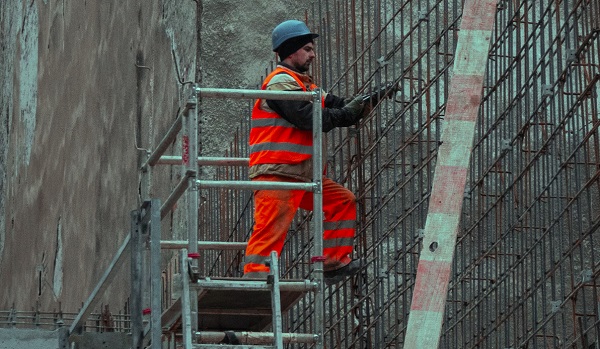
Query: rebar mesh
x,y
525,272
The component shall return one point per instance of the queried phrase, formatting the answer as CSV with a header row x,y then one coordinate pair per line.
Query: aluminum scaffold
x,y
186,320
201,325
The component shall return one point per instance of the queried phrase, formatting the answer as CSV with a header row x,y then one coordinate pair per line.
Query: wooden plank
x,y
445,205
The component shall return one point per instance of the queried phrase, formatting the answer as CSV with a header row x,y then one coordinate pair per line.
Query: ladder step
x,y
255,338
205,161
232,346
234,304
256,185
253,285
203,245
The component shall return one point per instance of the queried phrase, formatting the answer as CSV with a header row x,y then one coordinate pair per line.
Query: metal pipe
x,y
186,307
166,141
277,318
255,185
253,285
190,152
204,245
180,188
253,94
137,280
318,215
155,272
204,161
105,280
255,338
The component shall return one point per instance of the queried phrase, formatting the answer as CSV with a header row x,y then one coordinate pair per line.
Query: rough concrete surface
x,y
30,339
86,88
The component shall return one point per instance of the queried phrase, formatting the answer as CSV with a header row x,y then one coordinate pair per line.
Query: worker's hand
x,y
355,107
386,91
367,109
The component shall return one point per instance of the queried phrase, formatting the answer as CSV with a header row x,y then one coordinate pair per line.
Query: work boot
x,y
334,276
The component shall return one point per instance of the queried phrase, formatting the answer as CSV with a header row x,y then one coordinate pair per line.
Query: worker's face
x,y
302,58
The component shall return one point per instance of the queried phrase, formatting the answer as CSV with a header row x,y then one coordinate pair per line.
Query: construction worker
x,y
281,151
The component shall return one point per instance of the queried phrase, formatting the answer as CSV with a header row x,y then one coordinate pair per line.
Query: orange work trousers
x,y
274,211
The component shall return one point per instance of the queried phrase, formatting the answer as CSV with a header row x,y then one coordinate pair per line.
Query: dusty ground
x,y
83,85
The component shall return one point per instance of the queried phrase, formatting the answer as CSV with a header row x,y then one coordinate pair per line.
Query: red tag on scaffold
x,y
146,311
186,150
194,255
316,259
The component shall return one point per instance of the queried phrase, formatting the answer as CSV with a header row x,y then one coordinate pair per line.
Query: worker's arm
x,y
333,101
299,113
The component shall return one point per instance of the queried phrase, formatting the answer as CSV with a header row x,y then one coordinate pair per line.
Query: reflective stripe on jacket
x,y
273,140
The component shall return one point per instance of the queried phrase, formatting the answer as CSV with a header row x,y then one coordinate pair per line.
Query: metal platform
x,y
234,309
227,309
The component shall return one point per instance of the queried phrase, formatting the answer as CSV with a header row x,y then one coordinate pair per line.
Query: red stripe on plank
x,y
464,97
430,289
478,15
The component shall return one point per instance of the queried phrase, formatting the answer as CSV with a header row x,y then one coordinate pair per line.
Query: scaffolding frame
x,y
191,184
145,230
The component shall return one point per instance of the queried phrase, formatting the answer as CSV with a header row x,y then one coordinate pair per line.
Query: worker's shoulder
x,y
282,82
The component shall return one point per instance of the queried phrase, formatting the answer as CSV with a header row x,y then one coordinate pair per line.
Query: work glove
x,y
386,91
355,107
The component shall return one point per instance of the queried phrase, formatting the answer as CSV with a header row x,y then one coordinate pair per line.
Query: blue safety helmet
x,y
290,29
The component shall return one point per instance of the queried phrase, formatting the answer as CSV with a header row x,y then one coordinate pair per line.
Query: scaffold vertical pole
x,y
276,302
136,281
318,217
155,271
185,300
190,156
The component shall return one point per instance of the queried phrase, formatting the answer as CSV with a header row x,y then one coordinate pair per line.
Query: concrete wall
x,y
83,85
30,339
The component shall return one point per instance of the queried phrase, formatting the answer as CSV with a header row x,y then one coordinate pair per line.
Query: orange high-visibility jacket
x,y
274,140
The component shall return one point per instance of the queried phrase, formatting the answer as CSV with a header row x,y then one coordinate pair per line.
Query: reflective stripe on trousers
x,y
274,211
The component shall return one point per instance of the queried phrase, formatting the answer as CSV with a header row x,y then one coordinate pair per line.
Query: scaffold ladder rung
x,y
254,285
254,338
235,346
211,311
204,245
226,304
